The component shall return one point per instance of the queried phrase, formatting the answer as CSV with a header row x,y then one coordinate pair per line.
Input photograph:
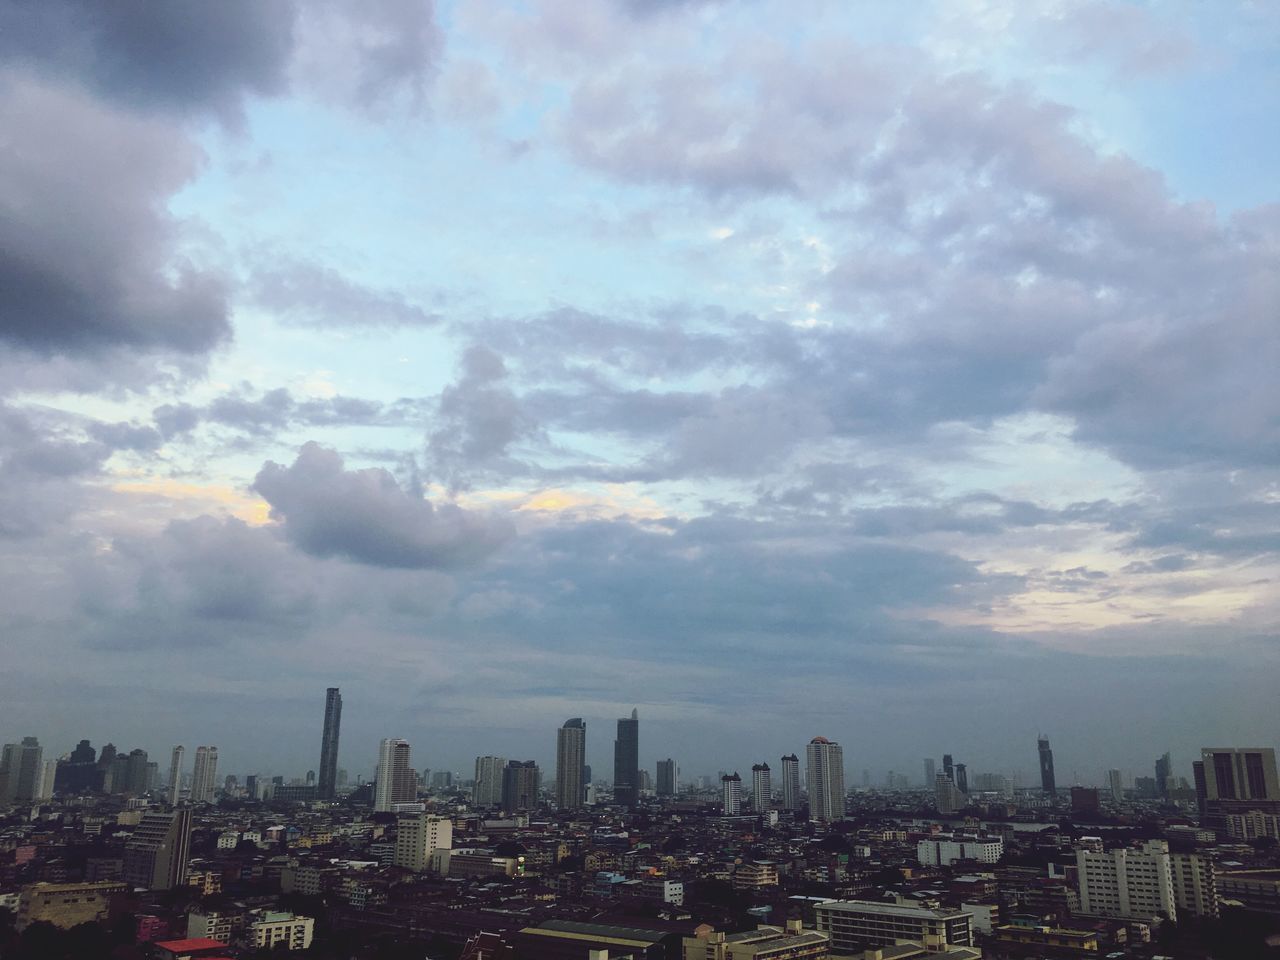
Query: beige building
x,y
755,874
418,837
764,943
221,925
155,856
65,904
856,925
1195,886
1131,883
276,928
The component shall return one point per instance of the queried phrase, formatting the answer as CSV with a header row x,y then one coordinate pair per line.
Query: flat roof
x,y
893,909
194,943
599,931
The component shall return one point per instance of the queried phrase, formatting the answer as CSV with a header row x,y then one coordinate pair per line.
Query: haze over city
x,y
902,374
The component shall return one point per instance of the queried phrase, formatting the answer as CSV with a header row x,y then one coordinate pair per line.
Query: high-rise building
x,y
825,779
251,786
328,784
930,772
21,771
761,788
175,774
395,781
1240,774
1115,785
962,778
626,761
791,782
946,795
418,837
83,753
1127,883
487,790
1164,769
949,767
668,778
521,782
571,760
731,794
155,855
204,775
135,777
1047,781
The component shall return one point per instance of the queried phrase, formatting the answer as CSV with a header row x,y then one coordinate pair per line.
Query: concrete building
x,y
763,943
222,925
1195,886
175,774
327,785
668,783
273,928
825,779
1237,779
944,851
21,771
1115,786
856,925
487,788
1251,825
1048,782
521,785
626,761
571,940
1130,883
761,788
155,855
930,772
1255,890
418,838
395,782
65,904
731,794
946,797
204,775
754,874
571,762
791,782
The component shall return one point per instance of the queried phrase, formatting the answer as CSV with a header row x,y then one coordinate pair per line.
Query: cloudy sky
x,y
905,373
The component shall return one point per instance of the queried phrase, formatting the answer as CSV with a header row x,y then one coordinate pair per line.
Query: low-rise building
x,y
764,943
856,925
273,928
65,904
944,851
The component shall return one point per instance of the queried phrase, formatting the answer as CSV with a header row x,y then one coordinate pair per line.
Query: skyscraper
x,y
21,771
1047,782
949,767
825,776
761,788
791,782
1164,768
1115,784
487,791
626,761
175,774
204,775
156,853
668,778
962,778
396,782
930,772
521,781
571,761
135,779
329,744
731,794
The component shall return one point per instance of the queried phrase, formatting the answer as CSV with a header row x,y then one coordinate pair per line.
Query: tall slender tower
x,y
761,788
626,761
791,782
571,761
826,779
329,744
930,772
731,794
487,791
396,782
175,774
1047,782
204,774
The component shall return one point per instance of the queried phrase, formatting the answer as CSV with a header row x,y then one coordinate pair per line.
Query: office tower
x,y
571,761
626,761
83,753
418,837
21,771
791,782
521,781
962,778
487,790
45,783
930,772
1134,883
204,775
155,856
1234,781
1115,785
948,767
175,775
1164,767
946,796
311,778
1047,782
668,778
329,744
731,794
761,788
825,779
251,786
395,780
135,776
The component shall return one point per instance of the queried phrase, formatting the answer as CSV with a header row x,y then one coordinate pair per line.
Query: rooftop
x,y
891,909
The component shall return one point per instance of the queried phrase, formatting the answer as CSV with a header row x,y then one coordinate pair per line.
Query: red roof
x,y
195,943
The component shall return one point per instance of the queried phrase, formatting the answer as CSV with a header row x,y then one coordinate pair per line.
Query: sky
x,y
900,373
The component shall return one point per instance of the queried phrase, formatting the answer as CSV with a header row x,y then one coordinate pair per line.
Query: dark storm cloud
x,y
311,294
180,56
365,515
89,259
